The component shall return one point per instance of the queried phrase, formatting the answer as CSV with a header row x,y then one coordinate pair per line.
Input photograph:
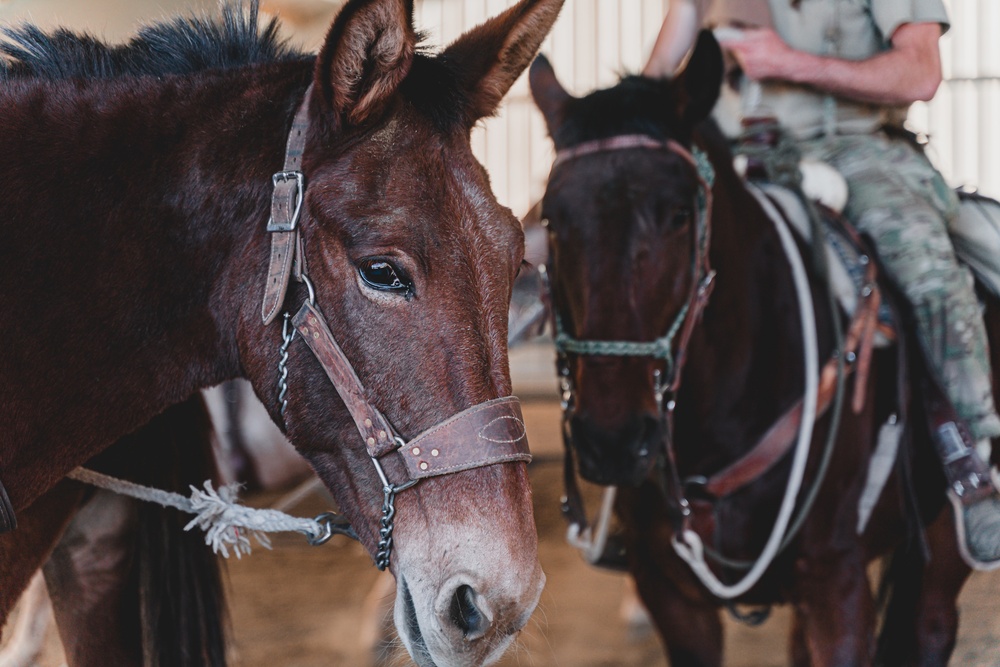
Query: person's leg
x,y
903,204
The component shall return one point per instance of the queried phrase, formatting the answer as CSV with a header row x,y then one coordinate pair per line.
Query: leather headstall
x,y
485,434
672,346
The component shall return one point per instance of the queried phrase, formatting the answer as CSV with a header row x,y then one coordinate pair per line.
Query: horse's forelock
x,y
636,105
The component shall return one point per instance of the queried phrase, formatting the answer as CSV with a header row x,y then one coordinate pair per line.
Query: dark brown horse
x,y
628,228
136,187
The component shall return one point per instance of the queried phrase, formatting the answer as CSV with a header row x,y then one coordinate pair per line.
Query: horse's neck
x,y
134,237
746,360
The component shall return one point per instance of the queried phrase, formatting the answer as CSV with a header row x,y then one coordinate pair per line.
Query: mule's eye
x,y
381,275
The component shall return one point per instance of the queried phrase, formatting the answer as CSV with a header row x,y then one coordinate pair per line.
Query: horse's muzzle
x,y
621,456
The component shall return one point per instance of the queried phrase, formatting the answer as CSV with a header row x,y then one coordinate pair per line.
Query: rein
x,y
485,434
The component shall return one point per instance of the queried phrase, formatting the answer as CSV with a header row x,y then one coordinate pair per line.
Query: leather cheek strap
x,y
286,208
379,437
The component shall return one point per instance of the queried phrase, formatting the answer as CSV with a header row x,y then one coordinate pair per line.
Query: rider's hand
x,y
761,53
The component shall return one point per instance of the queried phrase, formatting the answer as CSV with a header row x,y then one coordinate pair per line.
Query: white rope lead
x,y
226,523
688,545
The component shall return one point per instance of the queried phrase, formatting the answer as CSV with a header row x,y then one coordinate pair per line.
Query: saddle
x,y
975,234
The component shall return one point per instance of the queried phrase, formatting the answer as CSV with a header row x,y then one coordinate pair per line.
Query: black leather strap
x,y
8,521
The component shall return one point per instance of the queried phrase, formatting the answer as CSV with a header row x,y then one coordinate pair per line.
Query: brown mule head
x,y
621,224
413,260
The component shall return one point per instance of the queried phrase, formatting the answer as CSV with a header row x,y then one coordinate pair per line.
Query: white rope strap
x,y
688,545
226,523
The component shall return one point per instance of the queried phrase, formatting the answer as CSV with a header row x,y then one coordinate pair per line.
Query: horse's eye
x,y
381,275
680,217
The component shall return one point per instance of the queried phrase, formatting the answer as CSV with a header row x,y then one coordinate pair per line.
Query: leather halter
x,y
485,434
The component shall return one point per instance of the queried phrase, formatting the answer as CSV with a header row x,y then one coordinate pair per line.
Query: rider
x,y
835,73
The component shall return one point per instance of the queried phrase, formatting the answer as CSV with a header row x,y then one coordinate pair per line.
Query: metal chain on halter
x,y
389,492
668,474
287,336
385,528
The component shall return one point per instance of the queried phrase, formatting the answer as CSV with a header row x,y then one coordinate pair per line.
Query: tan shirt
x,y
849,29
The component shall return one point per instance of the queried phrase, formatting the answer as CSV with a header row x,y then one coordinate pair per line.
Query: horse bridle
x,y
663,348
485,434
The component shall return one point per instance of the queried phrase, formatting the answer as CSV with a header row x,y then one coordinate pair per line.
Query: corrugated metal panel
x,y
591,45
961,120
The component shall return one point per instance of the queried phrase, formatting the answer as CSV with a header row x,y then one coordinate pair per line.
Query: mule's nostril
x,y
466,615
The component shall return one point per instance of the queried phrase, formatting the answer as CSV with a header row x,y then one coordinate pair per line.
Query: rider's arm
x,y
909,71
676,37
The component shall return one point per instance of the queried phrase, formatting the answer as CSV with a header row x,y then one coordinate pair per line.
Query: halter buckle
x,y
279,179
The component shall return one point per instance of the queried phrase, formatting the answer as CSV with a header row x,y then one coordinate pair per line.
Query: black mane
x,y
187,45
179,46
635,105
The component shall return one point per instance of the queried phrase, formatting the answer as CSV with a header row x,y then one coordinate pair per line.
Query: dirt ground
x,y
300,606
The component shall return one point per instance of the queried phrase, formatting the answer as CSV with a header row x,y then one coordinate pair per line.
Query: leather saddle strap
x,y
8,521
777,441
286,208
378,434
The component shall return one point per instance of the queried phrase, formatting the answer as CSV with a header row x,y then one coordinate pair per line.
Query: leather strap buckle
x,y
286,202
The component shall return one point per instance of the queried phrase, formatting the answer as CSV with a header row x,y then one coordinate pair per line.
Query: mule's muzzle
x,y
470,620
621,456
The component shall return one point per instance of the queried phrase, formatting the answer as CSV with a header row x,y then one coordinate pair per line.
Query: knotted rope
x,y
226,523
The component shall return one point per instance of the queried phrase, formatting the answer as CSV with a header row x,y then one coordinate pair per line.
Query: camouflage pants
x,y
903,203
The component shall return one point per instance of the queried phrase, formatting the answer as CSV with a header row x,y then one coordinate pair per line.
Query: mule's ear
x,y
489,58
367,54
550,97
701,79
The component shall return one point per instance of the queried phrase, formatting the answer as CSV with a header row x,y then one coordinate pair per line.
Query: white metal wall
x,y
963,119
